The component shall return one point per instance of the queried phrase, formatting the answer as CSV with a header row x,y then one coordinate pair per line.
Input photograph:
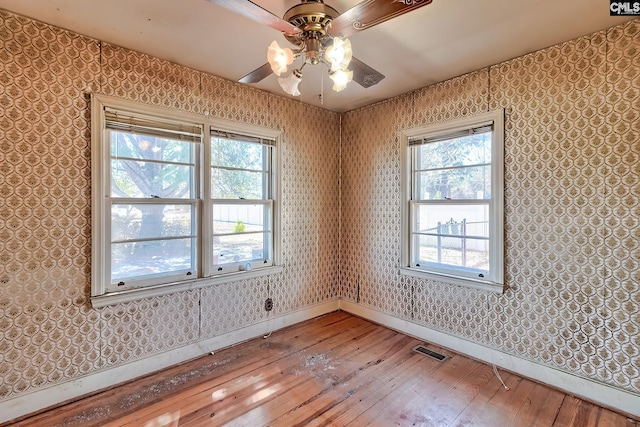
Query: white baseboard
x,y
46,397
596,392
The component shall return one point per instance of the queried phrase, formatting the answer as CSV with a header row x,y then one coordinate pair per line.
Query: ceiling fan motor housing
x,y
312,17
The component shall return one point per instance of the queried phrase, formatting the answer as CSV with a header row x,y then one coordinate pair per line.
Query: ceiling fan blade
x,y
258,74
363,74
368,13
253,11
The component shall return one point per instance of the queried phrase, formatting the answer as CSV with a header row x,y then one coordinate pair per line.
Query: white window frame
x,y
210,269
494,280
102,293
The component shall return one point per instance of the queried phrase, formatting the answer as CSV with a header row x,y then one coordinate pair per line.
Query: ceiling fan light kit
x,y
336,57
319,34
290,83
279,58
340,79
339,54
314,44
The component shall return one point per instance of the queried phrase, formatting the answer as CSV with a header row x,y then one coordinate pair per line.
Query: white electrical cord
x,y
495,371
268,293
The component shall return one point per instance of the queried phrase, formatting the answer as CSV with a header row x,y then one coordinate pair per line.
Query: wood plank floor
x,y
335,370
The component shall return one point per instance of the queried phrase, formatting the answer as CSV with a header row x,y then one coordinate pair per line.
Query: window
x,y
164,222
151,199
241,201
454,202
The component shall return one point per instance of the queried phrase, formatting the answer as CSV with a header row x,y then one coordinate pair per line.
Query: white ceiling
x,y
434,43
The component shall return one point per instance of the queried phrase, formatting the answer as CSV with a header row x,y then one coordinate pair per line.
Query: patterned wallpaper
x,y
572,208
49,333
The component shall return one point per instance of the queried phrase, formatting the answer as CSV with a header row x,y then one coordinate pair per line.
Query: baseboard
x,y
31,402
614,398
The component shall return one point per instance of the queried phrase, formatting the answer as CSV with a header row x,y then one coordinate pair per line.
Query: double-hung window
x,y
152,199
241,201
453,212
179,201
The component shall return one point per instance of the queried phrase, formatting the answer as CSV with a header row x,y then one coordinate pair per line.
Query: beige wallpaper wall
x,y
572,208
49,333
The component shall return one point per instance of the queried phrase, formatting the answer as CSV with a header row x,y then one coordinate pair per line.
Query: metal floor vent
x,y
432,354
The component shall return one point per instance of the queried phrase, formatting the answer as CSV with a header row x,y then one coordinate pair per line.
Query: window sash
x,y
448,240
265,170
120,282
266,250
124,122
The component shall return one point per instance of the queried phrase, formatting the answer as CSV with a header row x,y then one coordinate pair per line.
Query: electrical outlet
x,y
268,304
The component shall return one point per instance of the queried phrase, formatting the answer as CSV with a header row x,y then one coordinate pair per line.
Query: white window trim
x,y
99,206
496,284
254,131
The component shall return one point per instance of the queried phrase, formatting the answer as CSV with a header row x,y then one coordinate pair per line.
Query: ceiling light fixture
x,y
290,83
279,58
314,44
317,31
340,79
339,54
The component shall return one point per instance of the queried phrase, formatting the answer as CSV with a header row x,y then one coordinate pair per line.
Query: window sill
x,y
112,298
459,281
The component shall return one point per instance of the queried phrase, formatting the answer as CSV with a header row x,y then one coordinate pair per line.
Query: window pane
x,y
144,221
155,258
237,184
469,150
452,219
237,154
240,248
239,218
138,179
468,254
452,235
138,146
462,183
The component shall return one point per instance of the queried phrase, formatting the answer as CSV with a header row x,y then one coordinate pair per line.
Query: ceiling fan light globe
x,y
341,79
339,54
290,83
279,58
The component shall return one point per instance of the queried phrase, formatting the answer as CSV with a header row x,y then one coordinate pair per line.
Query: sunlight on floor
x,y
219,394
170,419
263,394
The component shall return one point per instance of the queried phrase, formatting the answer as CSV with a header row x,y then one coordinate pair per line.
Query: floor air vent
x,y
432,354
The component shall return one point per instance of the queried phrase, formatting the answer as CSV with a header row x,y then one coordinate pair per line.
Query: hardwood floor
x,y
335,370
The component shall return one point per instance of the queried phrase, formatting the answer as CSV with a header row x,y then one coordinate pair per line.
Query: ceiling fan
x,y
319,33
